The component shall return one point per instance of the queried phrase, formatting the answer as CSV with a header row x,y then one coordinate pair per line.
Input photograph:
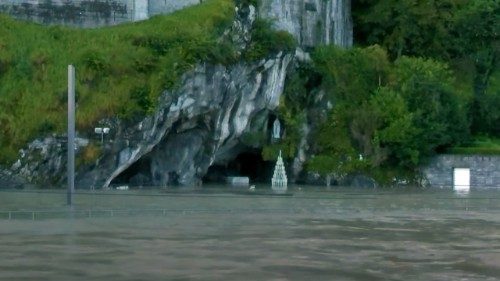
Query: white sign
x,y
461,179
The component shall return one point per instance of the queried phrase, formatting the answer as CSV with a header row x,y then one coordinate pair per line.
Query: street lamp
x,y
71,135
102,132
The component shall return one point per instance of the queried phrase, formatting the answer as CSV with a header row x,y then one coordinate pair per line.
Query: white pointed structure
x,y
279,181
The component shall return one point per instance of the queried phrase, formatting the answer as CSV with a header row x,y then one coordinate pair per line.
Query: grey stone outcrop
x,y
312,22
195,126
8,179
202,122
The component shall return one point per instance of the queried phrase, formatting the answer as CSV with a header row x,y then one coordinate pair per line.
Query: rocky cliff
x,y
202,122
312,22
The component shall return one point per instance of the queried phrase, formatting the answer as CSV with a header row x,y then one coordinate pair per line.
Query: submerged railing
x,y
82,214
37,205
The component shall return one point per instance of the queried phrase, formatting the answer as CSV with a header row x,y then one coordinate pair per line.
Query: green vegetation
x,y
480,145
89,155
387,115
121,70
267,41
294,104
459,32
425,80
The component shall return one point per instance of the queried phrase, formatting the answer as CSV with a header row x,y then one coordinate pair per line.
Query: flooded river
x,y
225,235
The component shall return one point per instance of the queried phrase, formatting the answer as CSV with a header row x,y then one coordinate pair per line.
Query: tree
x,y
393,139
476,31
426,86
351,75
406,27
336,157
445,30
411,112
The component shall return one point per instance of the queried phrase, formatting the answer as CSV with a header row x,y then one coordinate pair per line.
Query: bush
x,y
394,114
95,61
266,41
89,155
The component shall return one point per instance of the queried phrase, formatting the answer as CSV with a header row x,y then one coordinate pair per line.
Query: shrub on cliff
x,y
266,41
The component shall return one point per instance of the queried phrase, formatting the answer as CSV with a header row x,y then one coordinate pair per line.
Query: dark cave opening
x,y
246,164
137,175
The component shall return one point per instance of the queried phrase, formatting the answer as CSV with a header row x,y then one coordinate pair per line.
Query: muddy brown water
x,y
221,235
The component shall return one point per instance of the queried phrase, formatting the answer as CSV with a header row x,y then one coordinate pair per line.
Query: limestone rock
x,y
312,22
203,121
10,180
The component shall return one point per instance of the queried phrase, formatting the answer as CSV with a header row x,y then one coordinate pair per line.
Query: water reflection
x,y
462,192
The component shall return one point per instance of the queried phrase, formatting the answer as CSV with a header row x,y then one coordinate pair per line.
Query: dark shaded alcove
x,y
246,164
137,175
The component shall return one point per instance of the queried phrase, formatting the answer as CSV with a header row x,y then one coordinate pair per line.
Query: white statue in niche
x,y
276,130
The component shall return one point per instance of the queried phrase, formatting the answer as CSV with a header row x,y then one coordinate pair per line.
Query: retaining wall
x,y
484,170
90,13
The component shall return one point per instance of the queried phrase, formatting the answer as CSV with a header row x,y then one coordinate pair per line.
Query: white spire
x,y
279,181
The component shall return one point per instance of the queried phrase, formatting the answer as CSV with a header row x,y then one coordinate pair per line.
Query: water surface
x,y
223,235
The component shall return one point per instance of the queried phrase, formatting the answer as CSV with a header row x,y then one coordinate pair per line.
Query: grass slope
x,y
121,70
480,145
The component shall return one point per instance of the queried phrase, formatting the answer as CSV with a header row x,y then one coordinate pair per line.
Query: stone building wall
x,y
484,170
90,13
162,6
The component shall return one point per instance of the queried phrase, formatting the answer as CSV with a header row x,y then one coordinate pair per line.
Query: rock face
x,y
203,122
312,22
44,161
10,180
196,125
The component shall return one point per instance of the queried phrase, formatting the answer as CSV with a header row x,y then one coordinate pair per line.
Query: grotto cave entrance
x,y
137,175
247,164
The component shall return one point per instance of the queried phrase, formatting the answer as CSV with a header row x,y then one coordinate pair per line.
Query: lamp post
x,y
71,135
102,132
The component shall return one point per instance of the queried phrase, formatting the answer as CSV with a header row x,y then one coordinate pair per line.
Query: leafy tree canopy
x,y
386,113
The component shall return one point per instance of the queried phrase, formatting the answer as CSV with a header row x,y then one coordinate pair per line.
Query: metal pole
x,y
71,134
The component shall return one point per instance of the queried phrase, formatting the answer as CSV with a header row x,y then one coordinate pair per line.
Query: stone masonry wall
x,y
484,170
90,13
162,6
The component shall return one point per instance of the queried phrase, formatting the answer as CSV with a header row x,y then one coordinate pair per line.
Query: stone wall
x,y
90,13
484,170
157,7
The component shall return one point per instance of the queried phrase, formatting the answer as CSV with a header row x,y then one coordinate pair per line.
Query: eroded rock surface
x,y
312,22
202,122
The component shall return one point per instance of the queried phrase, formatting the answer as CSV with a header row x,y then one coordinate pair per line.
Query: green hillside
x,y
121,70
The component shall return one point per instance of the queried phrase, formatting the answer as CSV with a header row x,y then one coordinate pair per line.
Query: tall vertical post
x,y
71,134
